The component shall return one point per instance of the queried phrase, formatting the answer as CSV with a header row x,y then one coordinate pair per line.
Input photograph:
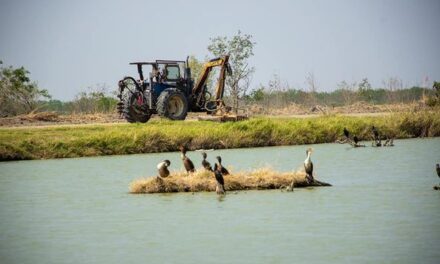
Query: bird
x,y
355,139
206,163
375,133
187,163
220,189
308,166
346,133
219,166
437,168
163,168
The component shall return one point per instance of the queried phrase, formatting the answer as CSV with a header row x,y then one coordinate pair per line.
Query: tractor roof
x,y
157,62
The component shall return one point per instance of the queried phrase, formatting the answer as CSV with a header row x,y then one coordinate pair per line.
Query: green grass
x,y
164,136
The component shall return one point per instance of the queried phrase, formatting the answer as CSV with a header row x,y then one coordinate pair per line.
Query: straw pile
x,y
202,180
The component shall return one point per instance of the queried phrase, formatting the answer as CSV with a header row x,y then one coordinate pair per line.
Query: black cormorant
x,y
187,163
308,166
163,168
206,163
355,139
346,133
219,166
220,189
437,168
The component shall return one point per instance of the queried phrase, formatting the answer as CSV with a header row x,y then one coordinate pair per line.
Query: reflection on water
x,y
381,209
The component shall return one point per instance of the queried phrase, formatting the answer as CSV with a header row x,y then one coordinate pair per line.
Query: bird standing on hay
x,y
218,166
163,168
187,163
206,163
308,166
220,188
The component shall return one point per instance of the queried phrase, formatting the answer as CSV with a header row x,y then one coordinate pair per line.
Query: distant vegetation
x,y
97,99
164,136
277,95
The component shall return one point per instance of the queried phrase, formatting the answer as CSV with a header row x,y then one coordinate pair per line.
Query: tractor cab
x,y
164,74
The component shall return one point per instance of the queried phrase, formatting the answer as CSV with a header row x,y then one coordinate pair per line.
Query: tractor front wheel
x,y
136,110
172,104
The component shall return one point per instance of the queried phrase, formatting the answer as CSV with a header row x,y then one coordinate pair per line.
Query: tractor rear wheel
x,y
136,110
172,104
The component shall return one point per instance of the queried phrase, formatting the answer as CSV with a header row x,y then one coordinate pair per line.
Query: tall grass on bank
x,y
165,136
204,181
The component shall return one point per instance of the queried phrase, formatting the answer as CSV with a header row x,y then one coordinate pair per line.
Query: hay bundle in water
x,y
202,180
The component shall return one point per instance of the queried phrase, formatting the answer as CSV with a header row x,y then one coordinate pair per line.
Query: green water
x,y
381,209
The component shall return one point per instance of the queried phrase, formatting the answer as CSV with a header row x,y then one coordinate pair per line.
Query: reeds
x,y
166,136
204,181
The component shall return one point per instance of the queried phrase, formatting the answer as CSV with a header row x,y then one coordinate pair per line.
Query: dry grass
x,y
204,181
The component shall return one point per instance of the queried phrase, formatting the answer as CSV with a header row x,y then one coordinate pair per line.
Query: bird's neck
x,y
308,157
182,155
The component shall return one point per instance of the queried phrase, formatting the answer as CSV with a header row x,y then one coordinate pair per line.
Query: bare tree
x,y
392,85
311,88
348,91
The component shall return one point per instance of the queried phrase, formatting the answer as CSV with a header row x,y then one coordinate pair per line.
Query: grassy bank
x,y
163,136
204,181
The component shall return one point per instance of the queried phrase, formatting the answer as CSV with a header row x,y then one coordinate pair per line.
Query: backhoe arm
x,y
207,68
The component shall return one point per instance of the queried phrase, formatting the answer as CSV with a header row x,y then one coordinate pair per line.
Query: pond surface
x,y
381,209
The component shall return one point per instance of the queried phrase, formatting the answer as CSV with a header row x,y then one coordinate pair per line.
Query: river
x,y
381,209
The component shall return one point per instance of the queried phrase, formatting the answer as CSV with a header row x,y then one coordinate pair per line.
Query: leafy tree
x,y
196,69
240,49
18,94
257,94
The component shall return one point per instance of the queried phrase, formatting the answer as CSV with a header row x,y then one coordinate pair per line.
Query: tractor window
x,y
173,72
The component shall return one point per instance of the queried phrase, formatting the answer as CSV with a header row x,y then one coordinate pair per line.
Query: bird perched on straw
x,y
187,163
163,168
218,166
206,163
308,166
220,188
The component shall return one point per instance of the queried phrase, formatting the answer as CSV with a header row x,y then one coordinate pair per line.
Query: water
x,y
381,209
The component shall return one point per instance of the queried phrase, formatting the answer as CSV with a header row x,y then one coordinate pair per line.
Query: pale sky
x,y
70,45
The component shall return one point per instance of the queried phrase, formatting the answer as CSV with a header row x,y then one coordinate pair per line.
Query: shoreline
x,y
26,143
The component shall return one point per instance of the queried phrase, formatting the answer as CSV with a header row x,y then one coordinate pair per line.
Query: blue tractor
x,y
170,91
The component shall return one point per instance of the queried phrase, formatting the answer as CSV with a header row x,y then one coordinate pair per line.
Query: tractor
x,y
170,91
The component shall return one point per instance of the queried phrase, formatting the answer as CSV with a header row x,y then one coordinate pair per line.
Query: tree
x,y
240,49
365,90
392,85
311,85
196,67
348,92
95,100
18,94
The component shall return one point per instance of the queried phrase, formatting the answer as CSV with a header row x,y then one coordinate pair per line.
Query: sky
x,y
71,45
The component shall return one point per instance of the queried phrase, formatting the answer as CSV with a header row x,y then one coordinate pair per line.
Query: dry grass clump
x,y
202,180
